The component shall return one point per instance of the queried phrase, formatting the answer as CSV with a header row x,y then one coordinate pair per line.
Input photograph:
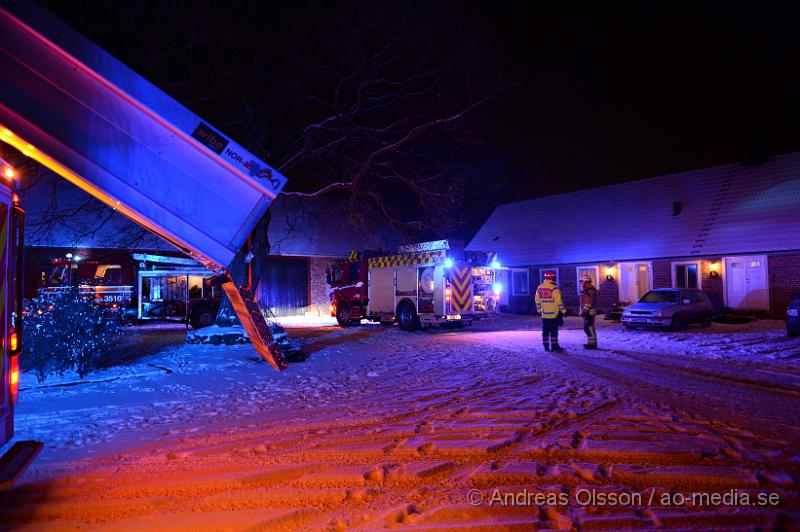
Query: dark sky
x,y
604,92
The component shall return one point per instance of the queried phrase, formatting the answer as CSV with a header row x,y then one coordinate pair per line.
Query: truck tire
x,y
344,315
203,315
407,316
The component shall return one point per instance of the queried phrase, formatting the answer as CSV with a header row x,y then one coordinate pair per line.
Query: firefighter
x,y
589,311
550,306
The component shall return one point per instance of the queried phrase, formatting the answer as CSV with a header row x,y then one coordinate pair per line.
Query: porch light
x,y
610,272
713,270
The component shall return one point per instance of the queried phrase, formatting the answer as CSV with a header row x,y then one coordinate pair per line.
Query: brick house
x,y
732,231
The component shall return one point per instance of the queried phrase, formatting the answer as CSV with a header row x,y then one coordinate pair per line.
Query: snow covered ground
x,y
381,428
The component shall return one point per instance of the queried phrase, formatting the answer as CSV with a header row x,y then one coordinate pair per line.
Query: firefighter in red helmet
x,y
550,306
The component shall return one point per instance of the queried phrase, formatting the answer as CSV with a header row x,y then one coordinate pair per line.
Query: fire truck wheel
x,y
407,317
343,315
203,316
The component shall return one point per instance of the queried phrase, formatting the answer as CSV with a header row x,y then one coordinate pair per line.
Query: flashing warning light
x,y
447,294
69,255
495,264
498,288
15,198
8,172
448,263
13,342
13,378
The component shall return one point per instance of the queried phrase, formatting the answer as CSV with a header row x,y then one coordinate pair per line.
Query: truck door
x,y
381,292
406,284
10,309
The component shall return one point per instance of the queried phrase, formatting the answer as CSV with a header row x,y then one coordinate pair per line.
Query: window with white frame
x,y
520,283
686,274
592,271
543,271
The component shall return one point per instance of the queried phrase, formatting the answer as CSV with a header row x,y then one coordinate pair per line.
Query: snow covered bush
x,y
67,332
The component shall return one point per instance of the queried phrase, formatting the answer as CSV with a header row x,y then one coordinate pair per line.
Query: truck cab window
x,y
354,275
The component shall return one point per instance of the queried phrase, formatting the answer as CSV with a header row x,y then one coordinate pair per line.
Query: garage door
x,y
284,285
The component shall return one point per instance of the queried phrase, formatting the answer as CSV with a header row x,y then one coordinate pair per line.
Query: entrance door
x,y
634,281
747,282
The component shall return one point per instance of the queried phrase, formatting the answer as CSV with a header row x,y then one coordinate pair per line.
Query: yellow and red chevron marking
x,y
461,287
423,258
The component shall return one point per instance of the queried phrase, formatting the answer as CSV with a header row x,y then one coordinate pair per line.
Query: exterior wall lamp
x,y
610,271
713,272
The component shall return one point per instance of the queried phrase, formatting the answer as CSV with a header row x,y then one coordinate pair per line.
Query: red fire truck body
x,y
108,279
140,286
11,242
422,285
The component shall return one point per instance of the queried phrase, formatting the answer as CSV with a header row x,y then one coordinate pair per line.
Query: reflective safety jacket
x,y
589,300
549,302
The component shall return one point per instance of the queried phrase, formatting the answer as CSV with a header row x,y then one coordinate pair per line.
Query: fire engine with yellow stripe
x,y
425,284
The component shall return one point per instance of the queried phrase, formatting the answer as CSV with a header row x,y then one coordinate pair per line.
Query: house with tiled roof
x,y
732,231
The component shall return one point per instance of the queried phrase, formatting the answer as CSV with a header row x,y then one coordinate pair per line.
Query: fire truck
x,y
138,286
422,285
76,110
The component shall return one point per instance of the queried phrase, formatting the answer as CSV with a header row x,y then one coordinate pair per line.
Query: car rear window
x,y
660,297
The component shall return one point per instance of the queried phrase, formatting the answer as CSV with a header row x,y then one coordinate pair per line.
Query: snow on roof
x,y
713,211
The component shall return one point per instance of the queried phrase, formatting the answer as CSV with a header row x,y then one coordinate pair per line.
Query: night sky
x,y
595,93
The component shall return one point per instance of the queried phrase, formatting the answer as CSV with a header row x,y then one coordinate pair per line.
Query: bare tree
x,y
373,103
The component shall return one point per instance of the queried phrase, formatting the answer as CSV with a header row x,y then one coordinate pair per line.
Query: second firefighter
x,y
589,311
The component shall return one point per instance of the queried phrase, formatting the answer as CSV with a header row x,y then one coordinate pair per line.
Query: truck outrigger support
x,y
254,320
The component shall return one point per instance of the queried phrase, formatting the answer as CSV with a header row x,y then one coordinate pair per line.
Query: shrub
x,y
66,331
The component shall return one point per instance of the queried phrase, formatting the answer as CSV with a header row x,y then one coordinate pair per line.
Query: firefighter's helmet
x,y
551,275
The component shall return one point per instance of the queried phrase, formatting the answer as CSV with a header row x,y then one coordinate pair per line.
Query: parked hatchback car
x,y
669,308
793,316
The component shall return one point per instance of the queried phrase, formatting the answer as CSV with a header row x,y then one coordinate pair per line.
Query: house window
x,y
686,275
543,271
591,271
520,284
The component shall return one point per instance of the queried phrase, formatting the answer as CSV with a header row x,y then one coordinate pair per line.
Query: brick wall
x,y
608,291
318,287
784,279
662,274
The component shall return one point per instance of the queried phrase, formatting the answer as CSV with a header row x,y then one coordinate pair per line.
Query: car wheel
x,y
676,323
707,320
343,315
203,316
407,317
